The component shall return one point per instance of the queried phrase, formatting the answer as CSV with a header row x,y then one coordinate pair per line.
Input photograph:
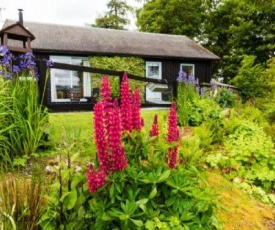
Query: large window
x,y
69,85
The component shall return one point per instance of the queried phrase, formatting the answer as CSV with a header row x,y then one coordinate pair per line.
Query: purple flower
x,y
182,76
8,75
30,63
36,75
16,69
191,79
6,61
3,50
49,63
22,64
29,55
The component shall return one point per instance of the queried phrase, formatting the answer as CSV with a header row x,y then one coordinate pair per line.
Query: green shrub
x,y
248,153
190,151
189,111
249,82
205,136
225,98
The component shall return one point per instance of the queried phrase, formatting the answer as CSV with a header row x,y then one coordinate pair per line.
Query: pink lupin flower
x,y
101,135
125,110
96,179
117,152
105,90
108,138
136,118
172,136
154,131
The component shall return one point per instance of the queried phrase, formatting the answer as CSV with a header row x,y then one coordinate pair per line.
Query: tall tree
x,y
229,28
171,17
115,17
236,28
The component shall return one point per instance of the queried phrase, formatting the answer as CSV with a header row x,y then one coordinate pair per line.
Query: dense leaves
x,y
115,17
229,28
249,80
171,17
235,28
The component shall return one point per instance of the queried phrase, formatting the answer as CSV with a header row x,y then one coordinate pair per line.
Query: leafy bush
x,y
249,82
267,103
225,98
248,153
190,151
189,111
193,110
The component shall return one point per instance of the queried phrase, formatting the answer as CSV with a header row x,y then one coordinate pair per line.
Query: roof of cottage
x,y
54,38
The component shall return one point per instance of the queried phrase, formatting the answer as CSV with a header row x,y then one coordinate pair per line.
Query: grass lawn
x,y
80,124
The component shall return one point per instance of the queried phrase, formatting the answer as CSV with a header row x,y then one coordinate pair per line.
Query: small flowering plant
x,y
27,116
188,79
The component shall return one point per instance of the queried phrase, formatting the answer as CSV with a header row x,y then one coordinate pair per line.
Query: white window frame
x,y
188,65
86,78
159,64
153,96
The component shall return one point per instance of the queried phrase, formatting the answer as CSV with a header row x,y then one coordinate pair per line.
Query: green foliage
x,y
233,28
146,195
248,112
28,117
151,198
192,110
171,17
68,193
228,28
23,120
189,112
249,82
116,17
190,151
256,191
248,153
267,103
131,65
5,125
225,98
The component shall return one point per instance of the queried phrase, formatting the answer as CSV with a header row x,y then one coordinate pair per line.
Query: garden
x,y
207,162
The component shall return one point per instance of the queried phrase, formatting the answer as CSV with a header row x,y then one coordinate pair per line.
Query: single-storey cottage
x,y
164,56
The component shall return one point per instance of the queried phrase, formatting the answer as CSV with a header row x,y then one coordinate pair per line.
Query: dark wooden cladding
x,y
106,72
170,69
